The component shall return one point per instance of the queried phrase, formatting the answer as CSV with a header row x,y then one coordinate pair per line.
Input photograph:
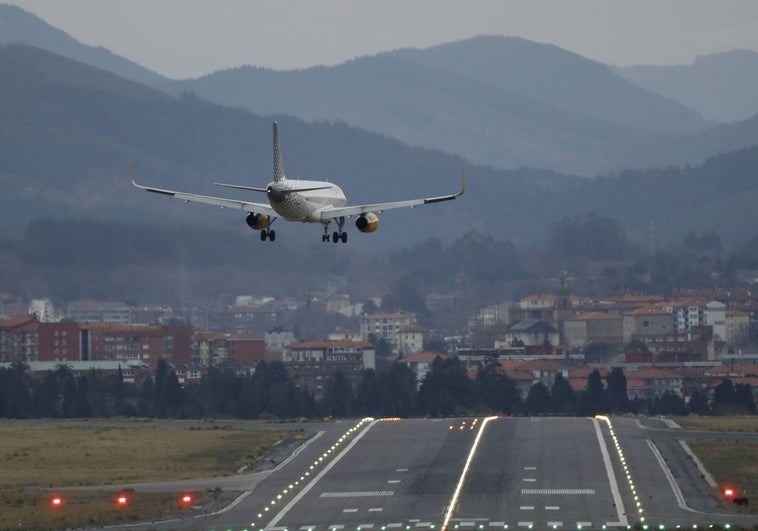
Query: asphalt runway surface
x,y
471,473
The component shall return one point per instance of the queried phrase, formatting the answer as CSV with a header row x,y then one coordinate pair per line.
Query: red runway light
x,y
56,501
728,492
186,499
122,500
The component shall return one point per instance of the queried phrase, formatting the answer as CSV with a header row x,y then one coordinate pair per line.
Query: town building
x,y
386,326
312,364
410,340
89,311
593,327
648,321
532,332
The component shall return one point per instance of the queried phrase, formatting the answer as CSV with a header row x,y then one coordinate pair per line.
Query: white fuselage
x,y
305,206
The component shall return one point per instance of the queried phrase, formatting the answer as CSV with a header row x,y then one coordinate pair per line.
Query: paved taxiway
x,y
543,473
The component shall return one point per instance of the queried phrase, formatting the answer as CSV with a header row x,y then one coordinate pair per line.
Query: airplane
x,y
301,200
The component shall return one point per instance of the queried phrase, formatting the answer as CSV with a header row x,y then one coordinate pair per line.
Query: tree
x,y
498,392
616,390
538,399
743,397
399,384
446,388
723,395
593,400
562,396
670,403
338,398
592,237
698,403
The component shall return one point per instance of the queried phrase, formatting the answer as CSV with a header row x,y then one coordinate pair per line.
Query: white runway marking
x,y
552,508
555,524
530,468
357,494
321,474
527,507
349,510
611,476
530,480
550,492
401,470
376,509
525,524
393,481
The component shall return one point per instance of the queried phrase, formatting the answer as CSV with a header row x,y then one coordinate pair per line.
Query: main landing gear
x,y
338,235
268,234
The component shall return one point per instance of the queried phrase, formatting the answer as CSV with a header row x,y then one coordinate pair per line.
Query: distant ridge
x,y
17,25
500,101
722,87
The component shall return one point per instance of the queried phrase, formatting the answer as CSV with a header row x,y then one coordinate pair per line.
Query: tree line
x,y
269,393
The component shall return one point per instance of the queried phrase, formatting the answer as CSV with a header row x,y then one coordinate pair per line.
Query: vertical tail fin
x,y
278,163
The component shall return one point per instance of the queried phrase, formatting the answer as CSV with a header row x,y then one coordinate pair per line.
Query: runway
x,y
475,473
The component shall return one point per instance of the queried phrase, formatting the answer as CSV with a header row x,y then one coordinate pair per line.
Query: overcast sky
x,y
187,38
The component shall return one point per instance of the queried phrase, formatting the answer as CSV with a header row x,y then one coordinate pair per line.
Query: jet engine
x,y
367,222
257,221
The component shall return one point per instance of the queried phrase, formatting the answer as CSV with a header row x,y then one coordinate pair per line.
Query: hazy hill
x,y
69,131
557,77
17,25
498,101
721,87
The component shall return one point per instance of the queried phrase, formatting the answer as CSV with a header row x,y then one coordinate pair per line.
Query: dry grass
x,y
37,457
733,463
748,424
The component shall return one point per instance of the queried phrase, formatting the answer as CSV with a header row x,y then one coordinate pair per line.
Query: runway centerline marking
x,y
459,487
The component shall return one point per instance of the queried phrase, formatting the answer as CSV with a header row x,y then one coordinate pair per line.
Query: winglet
x,y
463,184
131,174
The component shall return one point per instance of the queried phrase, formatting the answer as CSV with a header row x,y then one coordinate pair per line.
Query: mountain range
x,y
721,87
500,101
69,131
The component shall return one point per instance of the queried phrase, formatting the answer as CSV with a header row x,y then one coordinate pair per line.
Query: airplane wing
x,y
258,208
331,213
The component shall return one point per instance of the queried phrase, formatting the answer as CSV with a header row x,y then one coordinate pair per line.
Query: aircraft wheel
x,y
344,237
335,237
263,235
271,235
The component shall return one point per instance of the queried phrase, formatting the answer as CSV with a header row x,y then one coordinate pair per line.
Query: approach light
x,y
728,492
186,500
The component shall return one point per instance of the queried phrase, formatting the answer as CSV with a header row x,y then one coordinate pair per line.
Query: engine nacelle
x,y
367,222
257,221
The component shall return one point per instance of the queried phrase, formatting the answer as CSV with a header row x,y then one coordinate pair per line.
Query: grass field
x,y
36,458
739,424
733,463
